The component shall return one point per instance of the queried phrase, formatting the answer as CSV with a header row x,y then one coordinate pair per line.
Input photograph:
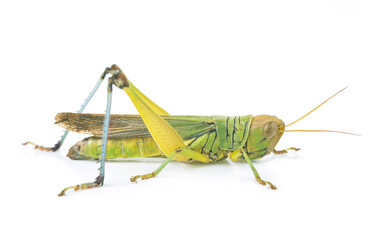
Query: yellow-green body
x,y
216,137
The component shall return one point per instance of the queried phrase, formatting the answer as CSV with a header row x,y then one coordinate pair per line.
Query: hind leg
x,y
100,179
87,100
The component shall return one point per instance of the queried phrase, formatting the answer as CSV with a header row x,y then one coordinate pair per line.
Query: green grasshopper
x,y
155,133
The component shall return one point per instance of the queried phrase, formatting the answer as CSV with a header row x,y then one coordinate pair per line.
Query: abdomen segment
x,y
117,148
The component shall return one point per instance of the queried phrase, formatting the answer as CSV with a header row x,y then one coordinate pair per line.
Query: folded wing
x,y
131,126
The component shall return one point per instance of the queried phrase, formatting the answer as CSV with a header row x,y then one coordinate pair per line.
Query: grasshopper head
x,y
264,133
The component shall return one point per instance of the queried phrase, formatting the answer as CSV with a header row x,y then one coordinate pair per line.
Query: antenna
x,y
315,108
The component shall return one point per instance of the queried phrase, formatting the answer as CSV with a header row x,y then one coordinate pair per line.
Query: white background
x,y
198,58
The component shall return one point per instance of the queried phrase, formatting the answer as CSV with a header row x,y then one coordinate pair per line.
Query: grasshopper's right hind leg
x,y
87,100
100,179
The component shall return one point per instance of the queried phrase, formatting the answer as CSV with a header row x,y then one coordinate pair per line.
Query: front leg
x,y
285,150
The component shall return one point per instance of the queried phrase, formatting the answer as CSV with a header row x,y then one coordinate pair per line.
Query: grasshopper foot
x,y
264,183
83,186
42,148
143,177
285,150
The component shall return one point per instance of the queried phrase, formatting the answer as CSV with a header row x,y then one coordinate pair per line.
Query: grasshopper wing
x,y
132,126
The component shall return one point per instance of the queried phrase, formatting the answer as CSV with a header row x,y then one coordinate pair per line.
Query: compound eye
x,y
270,129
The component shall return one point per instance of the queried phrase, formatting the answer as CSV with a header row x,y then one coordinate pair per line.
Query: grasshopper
x,y
155,133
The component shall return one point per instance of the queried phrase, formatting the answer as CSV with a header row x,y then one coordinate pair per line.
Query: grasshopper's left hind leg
x,y
100,179
60,142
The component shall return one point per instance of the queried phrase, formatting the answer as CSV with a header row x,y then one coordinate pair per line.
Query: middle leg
x,y
257,176
185,152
